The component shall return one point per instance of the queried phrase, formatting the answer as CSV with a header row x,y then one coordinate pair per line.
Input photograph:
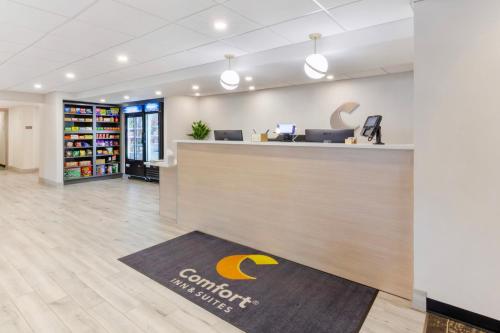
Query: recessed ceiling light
x,y
122,58
248,78
330,77
126,97
102,100
70,75
37,86
158,93
197,94
251,88
220,25
195,87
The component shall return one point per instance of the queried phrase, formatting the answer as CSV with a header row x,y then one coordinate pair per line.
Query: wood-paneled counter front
x,y
346,210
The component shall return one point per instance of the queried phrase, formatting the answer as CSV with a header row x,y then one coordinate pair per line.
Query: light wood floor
x,y
59,270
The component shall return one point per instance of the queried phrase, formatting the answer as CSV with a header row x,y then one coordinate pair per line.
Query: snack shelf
x,y
84,125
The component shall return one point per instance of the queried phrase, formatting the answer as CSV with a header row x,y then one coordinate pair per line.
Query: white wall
x,y
3,136
457,160
308,106
51,139
23,143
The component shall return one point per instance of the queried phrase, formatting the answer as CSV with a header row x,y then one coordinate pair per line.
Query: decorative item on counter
x,y
262,137
351,141
200,130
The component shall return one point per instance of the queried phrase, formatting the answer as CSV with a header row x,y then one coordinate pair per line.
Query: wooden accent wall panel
x,y
348,212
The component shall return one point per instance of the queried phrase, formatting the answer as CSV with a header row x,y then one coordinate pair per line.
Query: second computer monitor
x,y
229,135
328,135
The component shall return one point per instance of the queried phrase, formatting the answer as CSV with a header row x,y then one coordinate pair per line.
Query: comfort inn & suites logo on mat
x,y
220,295
255,291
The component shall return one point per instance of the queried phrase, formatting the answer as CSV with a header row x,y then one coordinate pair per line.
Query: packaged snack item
x,y
86,171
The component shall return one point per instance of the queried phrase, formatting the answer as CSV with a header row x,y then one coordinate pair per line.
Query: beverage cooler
x,y
143,138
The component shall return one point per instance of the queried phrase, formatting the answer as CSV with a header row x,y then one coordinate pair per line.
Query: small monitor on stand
x,y
372,129
286,131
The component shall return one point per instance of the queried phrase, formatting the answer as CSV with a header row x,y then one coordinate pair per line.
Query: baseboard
x,y
462,315
48,182
419,300
18,170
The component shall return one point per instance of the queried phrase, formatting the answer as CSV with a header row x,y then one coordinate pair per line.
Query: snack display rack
x,y
92,141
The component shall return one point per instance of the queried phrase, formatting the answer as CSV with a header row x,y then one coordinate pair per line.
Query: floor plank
x,y
59,270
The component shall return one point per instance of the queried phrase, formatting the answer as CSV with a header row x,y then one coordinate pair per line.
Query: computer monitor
x,y
228,135
328,135
285,129
372,129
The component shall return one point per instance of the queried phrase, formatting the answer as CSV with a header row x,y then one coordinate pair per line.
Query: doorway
x,y
3,138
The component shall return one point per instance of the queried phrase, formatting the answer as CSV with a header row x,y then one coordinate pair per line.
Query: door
x,y
152,137
134,159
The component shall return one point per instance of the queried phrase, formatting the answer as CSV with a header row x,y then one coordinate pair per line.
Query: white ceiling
x,y
40,41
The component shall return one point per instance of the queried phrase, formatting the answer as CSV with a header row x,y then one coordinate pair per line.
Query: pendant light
x,y
316,65
229,79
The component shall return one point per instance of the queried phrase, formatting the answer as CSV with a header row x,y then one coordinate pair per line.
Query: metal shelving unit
x,y
77,115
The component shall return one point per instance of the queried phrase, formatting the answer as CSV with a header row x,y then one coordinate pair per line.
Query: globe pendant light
x,y
316,65
229,79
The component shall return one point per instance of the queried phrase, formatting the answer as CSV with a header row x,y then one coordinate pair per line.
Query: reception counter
x,y
342,209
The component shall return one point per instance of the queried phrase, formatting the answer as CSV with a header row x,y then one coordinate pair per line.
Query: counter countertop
x,y
163,164
304,144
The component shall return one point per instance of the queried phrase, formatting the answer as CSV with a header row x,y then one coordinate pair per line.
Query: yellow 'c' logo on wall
x,y
229,267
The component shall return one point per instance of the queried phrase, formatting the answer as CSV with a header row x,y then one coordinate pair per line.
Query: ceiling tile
x,y
118,17
179,61
61,7
16,34
4,55
368,13
258,40
28,17
328,4
298,30
272,11
171,10
58,56
12,74
176,38
216,51
35,64
88,34
203,22
69,45
10,47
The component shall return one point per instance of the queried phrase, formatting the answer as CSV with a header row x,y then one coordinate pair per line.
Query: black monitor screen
x,y
228,135
328,135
